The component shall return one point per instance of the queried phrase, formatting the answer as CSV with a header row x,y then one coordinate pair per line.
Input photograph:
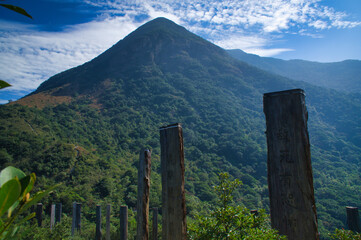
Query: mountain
x,y
342,76
85,127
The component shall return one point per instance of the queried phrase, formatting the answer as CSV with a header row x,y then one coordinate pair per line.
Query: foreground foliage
x,y
15,199
342,234
230,222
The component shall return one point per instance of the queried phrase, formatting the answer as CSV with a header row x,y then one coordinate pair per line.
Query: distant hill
x,y
85,127
342,76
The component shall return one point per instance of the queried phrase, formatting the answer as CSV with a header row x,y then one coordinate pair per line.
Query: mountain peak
x,y
159,42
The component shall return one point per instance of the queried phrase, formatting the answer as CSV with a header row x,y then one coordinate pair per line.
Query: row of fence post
x,y
173,194
56,212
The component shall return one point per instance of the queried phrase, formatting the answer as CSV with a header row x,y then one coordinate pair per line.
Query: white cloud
x,y
241,42
29,56
263,52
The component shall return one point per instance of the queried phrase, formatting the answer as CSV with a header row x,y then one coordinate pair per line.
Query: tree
x,y
230,222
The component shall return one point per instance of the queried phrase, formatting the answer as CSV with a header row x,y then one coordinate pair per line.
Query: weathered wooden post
x,y
58,211
39,213
155,224
73,223
98,220
254,212
143,195
123,222
52,216
353,219
107,223
290,181
78,217
173,197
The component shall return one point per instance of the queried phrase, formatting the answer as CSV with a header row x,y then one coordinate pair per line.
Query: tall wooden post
x,y
353,219
143,195
98,220
73,223
52,216
78,217
123,223
290,181
58,211
173,197
39,213
107,223
155,224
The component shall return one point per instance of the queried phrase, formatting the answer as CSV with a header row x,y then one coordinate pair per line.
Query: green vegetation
x,y
16,9
15,199
163,74
228,221
342,234
4,84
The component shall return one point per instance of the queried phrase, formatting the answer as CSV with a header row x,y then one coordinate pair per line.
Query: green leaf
x,y
16,9
27,184
9,194
10,173
37,197
30,216
4,84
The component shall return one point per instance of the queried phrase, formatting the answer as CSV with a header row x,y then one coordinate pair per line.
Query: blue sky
x,y
67,33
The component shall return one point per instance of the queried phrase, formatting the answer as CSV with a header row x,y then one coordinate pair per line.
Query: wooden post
x,y
155,224
143,195
290,181
73,223
254,212
107,223
39,213
58,211
78,217
52,216
123,223
173,197
353,219
98,229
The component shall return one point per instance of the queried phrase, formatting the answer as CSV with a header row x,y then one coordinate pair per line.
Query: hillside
x,y
85,127
342,76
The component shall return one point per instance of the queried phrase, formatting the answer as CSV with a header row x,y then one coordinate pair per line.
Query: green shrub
x,y
227,221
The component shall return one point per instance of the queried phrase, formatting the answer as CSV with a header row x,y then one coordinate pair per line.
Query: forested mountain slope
x,y
342,76
85,126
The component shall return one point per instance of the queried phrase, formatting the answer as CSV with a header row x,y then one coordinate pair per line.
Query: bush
x,y
228,221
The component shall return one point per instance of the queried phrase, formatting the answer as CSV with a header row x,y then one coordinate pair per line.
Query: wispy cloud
x,y
238,24
28,56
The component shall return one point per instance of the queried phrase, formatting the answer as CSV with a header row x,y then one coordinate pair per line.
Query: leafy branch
x,y
15,199
16,9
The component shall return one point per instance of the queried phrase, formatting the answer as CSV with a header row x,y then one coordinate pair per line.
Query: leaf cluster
x,y
15,199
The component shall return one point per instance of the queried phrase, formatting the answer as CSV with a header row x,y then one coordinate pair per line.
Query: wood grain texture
x,y
173,195
143,195
123,222
290,180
